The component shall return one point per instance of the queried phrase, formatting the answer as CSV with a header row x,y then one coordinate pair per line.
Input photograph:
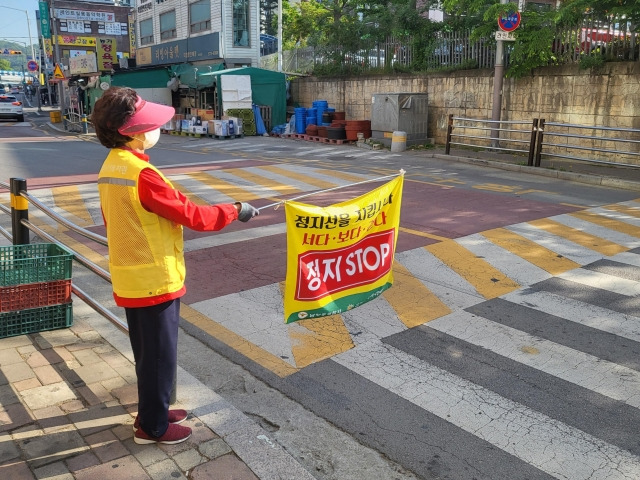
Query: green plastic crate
x,y
34,320
33,263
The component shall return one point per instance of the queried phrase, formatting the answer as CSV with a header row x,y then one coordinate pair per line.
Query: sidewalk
x,y
68,400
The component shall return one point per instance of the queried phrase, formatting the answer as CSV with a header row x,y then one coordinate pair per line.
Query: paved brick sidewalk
x,y
67,406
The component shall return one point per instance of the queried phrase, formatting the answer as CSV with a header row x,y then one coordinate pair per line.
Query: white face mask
x,y
150,138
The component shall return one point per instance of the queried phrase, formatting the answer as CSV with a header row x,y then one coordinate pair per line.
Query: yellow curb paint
x,y
308,179
609,223
631,211
423,234
235,341
281,188
315,339
587,240
66,198
486,279
414,303
229,189
324,337
532,252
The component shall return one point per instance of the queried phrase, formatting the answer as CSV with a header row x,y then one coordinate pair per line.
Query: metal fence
x,y
606,38
538,138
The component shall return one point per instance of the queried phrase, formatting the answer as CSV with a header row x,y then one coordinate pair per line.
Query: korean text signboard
x,y
340,256
106,52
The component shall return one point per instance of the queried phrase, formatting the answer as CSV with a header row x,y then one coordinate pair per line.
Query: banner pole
x,y
401,172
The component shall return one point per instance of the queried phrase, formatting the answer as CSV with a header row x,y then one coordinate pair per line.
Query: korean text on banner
x,y
340,256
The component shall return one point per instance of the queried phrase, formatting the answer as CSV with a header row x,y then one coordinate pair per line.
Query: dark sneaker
x,y
175,416
174,434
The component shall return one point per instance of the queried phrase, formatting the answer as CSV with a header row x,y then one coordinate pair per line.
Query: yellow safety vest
x,y
146,251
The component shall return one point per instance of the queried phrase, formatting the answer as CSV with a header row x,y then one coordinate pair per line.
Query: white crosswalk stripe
x,y
574,333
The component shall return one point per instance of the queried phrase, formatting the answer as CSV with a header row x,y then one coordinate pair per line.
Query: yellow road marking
x,y
281,188
235,341
308,179
587,240
609,223
315,339
344,176
190,195
423,234
486,279
414,303
324,338
631,211
532,252
66,198
237,193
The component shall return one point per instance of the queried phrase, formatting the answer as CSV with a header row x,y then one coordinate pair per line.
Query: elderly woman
x,y
144,215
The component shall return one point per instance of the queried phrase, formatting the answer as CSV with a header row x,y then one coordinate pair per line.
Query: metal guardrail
x,y
519,140
548,139
21,227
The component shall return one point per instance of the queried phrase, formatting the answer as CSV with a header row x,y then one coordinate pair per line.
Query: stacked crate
x,y
247,117
35,288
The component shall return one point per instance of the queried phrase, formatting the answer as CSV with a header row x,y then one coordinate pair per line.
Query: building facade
x,y
200,32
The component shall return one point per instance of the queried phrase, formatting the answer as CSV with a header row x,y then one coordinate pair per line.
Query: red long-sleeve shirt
x,y
158,197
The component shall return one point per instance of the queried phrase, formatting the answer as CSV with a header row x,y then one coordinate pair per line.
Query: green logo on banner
x,y
45,24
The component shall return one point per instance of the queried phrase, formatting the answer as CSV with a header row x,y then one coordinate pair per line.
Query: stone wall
x,y
607,97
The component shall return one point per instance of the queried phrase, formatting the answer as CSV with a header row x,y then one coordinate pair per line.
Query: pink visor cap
x,y
148,116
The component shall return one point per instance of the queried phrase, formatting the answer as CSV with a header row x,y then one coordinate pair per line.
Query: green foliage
x,y
591,61
5,64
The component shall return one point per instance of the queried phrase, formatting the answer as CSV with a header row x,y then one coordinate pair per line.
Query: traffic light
x,y
6,51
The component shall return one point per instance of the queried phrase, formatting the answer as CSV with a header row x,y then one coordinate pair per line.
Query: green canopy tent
x,y
267,88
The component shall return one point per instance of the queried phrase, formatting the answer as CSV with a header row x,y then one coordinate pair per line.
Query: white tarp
x,y
236,91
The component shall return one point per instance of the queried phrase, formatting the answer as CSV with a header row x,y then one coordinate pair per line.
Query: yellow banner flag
x,y
340,256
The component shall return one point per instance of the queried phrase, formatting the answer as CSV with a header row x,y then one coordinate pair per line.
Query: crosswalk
x,y
523,340
295,149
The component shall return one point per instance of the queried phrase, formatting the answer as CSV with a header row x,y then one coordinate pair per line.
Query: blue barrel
x,y
301,120
321,106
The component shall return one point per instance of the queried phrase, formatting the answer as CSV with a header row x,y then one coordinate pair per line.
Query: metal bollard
x,y
19,211
64,121
85,125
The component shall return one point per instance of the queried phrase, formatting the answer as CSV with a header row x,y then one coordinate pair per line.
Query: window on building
x,y
200,16
241,23
146,31
168,25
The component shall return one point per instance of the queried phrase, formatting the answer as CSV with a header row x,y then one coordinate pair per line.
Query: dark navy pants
x,y
153,332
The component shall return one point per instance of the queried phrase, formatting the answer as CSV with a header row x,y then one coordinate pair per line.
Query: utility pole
x,y
498,77
58,58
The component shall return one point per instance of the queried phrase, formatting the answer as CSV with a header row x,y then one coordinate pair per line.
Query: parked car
x,y
10,107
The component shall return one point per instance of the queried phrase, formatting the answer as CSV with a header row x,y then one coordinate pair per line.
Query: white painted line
x,y
628,258
300,185
603,281
597,230
234,237
558,449
599,318
513,266
606,378
557,244
453,290
254,188
257,315
206,192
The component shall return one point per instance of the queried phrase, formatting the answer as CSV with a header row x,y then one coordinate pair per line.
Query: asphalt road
x,y
507,347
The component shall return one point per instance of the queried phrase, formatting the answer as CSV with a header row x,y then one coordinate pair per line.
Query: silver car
x,y
10,107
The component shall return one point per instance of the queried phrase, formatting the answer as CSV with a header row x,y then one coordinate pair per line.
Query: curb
x,y
248,440
585,178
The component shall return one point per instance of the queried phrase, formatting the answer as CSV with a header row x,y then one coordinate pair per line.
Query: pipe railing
x,y
21,227
600,143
